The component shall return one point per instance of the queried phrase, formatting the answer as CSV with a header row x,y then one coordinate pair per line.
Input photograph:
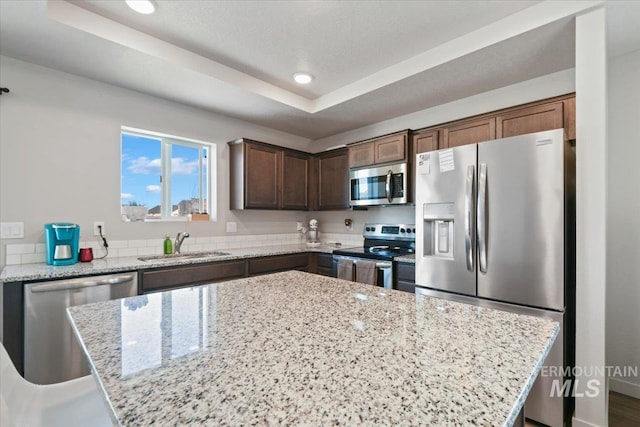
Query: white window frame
x,y
166,142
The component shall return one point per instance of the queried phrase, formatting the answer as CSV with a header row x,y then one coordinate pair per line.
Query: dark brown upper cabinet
x,y
468,132
295,180
264,176
424,141
529,120
391,148
332,180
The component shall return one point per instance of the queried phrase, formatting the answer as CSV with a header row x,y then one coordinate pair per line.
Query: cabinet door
x,y
333,180
390,149
192,275
262,177
530,120
295,180
405,277
423,142
276,263
321,263
361,155
470,132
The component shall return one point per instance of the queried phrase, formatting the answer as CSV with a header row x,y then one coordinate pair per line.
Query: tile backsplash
x,y
30,253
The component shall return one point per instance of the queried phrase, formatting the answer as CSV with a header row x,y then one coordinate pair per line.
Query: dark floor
x,y
624,411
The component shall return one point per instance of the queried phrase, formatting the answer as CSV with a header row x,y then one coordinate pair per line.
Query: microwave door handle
x,y
469,210
387,187
482,218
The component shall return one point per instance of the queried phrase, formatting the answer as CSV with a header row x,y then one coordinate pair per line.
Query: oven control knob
x,y
368,228
402,230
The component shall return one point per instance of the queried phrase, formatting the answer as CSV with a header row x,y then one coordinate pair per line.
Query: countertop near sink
x,y
41,271
302,349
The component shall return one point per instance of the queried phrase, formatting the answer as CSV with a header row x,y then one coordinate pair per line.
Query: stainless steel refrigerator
x,y
495,226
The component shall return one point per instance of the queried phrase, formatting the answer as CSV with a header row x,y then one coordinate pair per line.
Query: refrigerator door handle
x,y
482,218
387,187
468,218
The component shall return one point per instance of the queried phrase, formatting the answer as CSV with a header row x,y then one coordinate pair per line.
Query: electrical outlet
x,y
96,229
232,227
298,226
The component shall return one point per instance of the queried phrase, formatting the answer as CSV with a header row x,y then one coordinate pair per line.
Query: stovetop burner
x,y
383,242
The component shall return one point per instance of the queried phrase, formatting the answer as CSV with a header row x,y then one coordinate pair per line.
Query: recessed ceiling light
x,y
302,78
145,7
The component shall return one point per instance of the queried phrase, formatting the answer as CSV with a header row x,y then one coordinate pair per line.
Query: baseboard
x,y
577,422
624,387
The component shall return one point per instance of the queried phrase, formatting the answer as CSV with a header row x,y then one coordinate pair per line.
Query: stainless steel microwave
x,y
383,185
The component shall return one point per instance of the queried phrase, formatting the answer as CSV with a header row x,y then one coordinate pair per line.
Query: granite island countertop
x,y
302,349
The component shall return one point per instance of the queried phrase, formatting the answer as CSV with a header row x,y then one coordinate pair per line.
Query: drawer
x,y
278,263
191,275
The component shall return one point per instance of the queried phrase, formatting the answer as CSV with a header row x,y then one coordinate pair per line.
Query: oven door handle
x,y
389,187
386,268
383,265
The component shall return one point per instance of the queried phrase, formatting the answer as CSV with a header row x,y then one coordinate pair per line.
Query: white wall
x,y
60,155
623,220
591,155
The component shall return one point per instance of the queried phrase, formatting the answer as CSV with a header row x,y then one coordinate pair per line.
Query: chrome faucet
x,y
179,239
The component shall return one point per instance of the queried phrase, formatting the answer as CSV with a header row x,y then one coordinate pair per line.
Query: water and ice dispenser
x,y
438,229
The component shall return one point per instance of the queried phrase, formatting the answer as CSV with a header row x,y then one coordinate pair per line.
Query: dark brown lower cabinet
x,y
322,264
272,264
405,277
194,274
162,279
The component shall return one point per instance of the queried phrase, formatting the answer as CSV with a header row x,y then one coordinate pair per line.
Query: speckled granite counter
x,y
26,272
300,349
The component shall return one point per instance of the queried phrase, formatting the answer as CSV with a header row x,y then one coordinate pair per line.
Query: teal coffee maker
x,y
62,243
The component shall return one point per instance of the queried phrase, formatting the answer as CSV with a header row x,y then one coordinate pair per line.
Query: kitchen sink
x,y
187,255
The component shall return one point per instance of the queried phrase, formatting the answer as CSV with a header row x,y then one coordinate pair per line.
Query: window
x,y
165,177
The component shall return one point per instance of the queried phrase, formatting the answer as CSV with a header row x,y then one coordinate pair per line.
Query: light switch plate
x,y
12,230
232,227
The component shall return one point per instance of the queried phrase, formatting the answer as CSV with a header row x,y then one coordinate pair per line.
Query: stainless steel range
x,y
382,243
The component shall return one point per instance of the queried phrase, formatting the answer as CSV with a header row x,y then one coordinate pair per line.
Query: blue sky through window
x,y
142,168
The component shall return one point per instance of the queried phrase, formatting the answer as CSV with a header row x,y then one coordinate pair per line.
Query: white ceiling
x,y
372,60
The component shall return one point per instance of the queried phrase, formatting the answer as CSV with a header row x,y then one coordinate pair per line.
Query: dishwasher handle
x,y
75,284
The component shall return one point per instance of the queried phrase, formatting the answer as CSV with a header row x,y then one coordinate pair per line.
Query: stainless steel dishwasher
x,y
51,351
